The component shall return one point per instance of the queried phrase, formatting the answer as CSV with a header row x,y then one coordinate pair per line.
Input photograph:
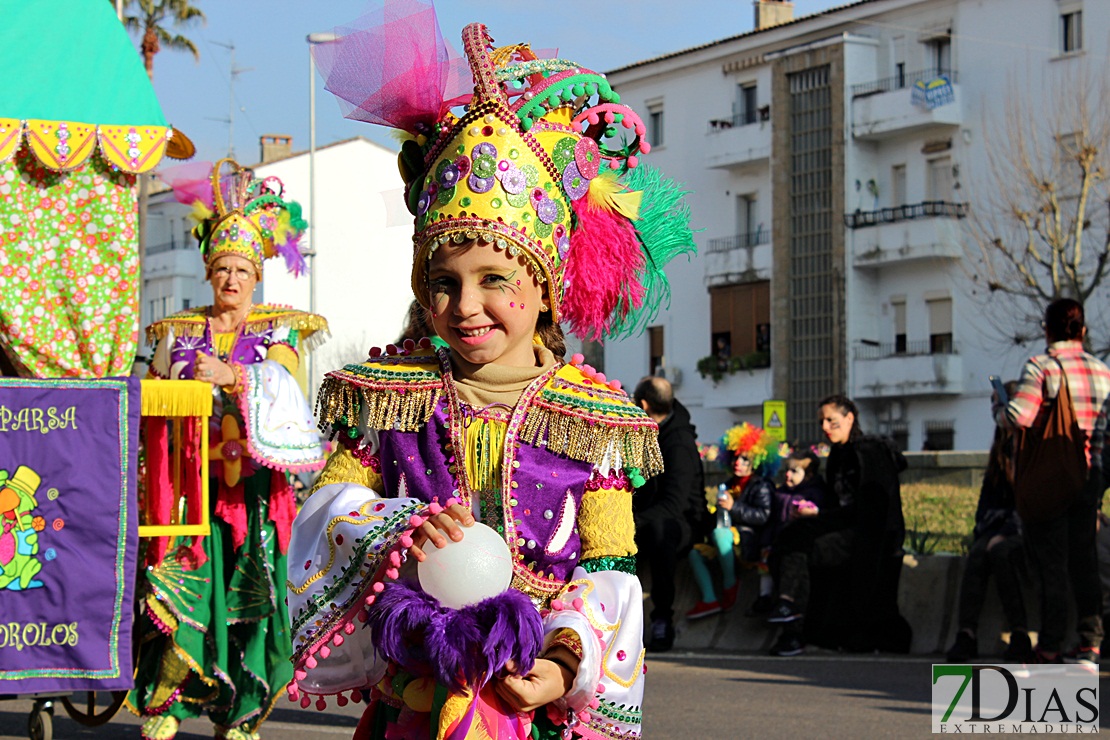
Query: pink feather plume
x,y
601,271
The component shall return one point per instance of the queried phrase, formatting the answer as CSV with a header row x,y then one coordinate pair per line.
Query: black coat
x,y
863,476
751,505
678,493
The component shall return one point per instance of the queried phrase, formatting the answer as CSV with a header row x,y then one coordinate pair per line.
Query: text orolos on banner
x,y
37,634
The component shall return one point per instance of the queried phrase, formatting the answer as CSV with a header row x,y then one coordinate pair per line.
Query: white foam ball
x,y
468,571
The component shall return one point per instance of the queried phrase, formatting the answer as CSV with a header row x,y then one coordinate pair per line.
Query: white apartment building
x,y
834,203
362,236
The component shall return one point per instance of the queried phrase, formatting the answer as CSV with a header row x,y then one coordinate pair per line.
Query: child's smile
x,y
484,304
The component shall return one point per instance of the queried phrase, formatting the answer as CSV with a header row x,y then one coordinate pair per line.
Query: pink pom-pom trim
x,y
300,674
615,385
310,662
557,606
370,600
392,573
325,651
378,587
406,541
644,146
577,358
577,604
415,521
434,508
349,628
337,639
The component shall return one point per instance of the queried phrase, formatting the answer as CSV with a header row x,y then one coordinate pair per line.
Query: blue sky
x,y
271,94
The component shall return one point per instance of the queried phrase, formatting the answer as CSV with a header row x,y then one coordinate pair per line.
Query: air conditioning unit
x,y
673,375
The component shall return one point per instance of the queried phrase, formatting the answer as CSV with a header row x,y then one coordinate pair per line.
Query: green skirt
x,y
215,638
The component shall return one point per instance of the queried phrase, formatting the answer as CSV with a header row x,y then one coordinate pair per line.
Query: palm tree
x,y
151,20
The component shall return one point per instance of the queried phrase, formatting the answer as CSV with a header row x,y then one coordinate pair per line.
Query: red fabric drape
x,y
283,507
159,485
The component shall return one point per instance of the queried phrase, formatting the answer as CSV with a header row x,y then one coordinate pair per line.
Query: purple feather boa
x,y
460,648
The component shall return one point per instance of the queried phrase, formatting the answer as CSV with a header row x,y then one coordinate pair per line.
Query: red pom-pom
x,y
375,352
391,349
425,343
321,705
370,600
356,696
410,344
305,701
341,700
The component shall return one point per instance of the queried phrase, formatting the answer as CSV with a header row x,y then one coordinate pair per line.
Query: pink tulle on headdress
x,y
191,183
601,271
392,67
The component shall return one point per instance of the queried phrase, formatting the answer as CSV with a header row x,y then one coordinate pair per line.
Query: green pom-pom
x,y
634,477
353,432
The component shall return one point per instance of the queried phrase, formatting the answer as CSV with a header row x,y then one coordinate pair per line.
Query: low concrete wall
x,y
927,596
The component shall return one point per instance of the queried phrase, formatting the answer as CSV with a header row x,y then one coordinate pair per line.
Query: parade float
x,y
79,125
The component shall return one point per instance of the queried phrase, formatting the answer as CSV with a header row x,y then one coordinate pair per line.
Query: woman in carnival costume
x,y
522,221
215,634
753,456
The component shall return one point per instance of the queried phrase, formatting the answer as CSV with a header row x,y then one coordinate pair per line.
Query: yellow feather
x,y
200,212
607,192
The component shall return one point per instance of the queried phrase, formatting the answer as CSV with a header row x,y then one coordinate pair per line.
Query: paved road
x,y
689,695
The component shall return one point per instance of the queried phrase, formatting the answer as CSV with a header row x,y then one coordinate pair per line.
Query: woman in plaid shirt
x,y
1064,546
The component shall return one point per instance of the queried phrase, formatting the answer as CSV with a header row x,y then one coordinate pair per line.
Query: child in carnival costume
x,y
753,457
215,625
522,220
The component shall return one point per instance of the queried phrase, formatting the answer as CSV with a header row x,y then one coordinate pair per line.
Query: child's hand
x,y
445,521
546,682
806,508
724,500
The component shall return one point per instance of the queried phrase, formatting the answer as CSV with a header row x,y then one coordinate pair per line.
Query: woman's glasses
x,y
225,273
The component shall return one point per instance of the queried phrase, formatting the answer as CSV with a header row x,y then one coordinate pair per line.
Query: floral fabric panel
x,y
69,268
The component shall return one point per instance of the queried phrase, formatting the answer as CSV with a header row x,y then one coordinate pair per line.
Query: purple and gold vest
x,y
558,432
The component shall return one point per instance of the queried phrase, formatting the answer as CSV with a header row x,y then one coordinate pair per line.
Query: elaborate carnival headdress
x,y
240,214
753,443
544,162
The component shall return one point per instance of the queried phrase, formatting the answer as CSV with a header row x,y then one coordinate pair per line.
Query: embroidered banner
x,y
69,537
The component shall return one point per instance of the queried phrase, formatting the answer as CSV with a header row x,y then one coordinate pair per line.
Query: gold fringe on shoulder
x,y
191,322
401,396
588,438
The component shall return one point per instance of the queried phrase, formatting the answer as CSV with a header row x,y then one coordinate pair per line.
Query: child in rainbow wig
x,y
753,457
526,216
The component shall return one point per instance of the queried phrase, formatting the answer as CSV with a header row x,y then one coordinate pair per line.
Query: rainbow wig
x,y
753,443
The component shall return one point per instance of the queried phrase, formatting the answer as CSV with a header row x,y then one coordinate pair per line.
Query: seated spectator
x,y
996,550
743,508
861,527
802,495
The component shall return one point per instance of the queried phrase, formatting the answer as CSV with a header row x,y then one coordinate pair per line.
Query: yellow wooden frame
x,y
180,400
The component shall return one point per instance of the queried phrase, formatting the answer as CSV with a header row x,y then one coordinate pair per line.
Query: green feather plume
x,y
665,233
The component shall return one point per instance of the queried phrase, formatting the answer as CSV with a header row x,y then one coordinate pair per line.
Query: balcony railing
x,y
941,344
925,209
905,80
744,118
724,244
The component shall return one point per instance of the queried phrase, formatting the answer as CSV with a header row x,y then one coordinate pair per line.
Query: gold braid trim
x,y
395,392
580,418
191,322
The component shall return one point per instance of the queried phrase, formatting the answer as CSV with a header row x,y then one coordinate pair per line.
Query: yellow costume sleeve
x,y
343,467
605,524
285,355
